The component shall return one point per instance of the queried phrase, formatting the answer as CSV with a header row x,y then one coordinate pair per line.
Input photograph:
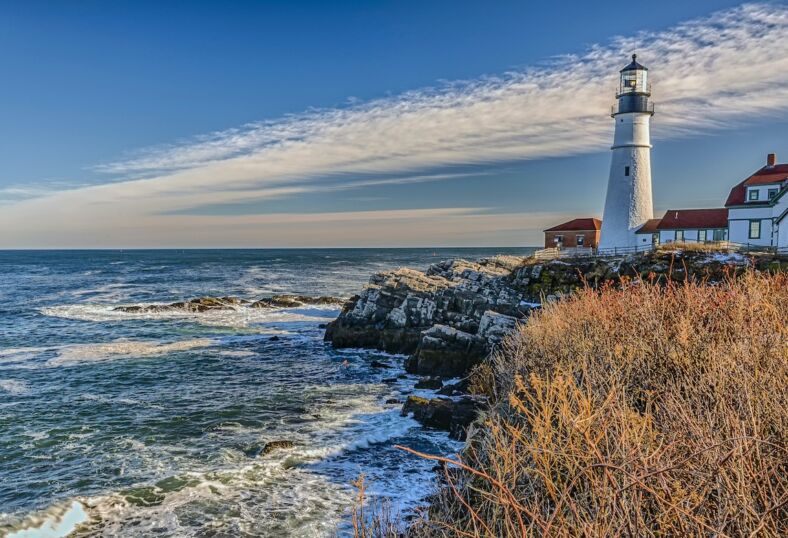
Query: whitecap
x,y
237,353
86,353
14,386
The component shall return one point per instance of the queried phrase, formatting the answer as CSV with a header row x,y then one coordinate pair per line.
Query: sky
x,y
372,124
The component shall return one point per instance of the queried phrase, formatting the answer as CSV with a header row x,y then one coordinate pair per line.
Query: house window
x,y
755,229
679,235
719,235
655,239
772,193
580,240
752,195
701,236
626,170
559,239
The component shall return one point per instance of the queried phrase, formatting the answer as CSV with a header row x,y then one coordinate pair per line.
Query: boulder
x,y
431,383
276,445
447,352
291,301
454,416
455,389
494,326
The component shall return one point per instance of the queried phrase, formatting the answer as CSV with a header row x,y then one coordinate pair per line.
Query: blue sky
x,y
184,124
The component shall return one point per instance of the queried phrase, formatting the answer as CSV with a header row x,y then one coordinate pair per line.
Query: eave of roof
x,y
649,227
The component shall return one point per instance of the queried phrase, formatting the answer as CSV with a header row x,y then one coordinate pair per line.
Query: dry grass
x,y
695,246
642,411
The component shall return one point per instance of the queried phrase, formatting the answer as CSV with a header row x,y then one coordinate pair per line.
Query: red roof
x,y
765,176
577,225
684,219
649,227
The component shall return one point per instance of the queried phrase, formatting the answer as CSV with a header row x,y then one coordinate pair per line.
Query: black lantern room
x,y
634,89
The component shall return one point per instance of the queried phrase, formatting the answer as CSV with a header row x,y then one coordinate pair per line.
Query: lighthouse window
x,y
753,194
626,170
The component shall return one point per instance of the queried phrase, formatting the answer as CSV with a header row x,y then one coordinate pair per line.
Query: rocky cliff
x,y
448,317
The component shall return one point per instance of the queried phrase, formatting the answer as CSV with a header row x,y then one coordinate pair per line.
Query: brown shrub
x,y
643,411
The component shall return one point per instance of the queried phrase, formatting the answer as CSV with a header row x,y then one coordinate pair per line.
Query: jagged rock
x,y
204,304
453,416
200,304
276,445
446,352
396,307
378,364
290,301
454,389
431,383
494,326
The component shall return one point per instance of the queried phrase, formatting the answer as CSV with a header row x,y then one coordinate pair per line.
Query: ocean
x,y
153,424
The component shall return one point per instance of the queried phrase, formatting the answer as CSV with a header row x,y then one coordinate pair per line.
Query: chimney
x,y
771,159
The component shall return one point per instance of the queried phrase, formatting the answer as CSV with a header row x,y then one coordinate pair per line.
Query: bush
x,y
642,411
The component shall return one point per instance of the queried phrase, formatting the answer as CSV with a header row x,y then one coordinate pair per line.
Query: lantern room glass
x,y
634,81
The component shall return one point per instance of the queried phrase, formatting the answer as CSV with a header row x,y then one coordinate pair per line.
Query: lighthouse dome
x,y
634,65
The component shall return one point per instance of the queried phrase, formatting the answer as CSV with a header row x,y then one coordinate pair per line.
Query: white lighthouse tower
x,y
628,204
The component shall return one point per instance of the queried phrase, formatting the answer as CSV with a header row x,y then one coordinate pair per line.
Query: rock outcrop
x,y
205,304
450,298
451,315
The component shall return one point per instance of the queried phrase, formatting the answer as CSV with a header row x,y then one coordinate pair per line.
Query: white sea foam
x,y
237,353
17,357
84,353
14,386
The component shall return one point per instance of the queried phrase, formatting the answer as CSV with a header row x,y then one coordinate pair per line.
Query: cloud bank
x,y
707,73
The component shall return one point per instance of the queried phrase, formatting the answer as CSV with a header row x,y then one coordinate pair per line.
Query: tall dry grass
x,y
642,411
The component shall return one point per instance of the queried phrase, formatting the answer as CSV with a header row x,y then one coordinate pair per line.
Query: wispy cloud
x,y
707,73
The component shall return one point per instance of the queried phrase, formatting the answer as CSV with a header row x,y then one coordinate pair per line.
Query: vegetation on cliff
x,y
643,409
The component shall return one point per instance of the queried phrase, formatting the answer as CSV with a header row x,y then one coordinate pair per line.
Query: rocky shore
x,y
205,304
448,318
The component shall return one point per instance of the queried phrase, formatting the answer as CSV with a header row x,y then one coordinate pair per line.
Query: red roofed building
x,y
694,225
575,233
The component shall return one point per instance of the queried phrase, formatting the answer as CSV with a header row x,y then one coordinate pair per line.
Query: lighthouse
x,y
628,204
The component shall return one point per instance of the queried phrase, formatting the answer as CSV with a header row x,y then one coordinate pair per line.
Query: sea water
x,y
153,424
